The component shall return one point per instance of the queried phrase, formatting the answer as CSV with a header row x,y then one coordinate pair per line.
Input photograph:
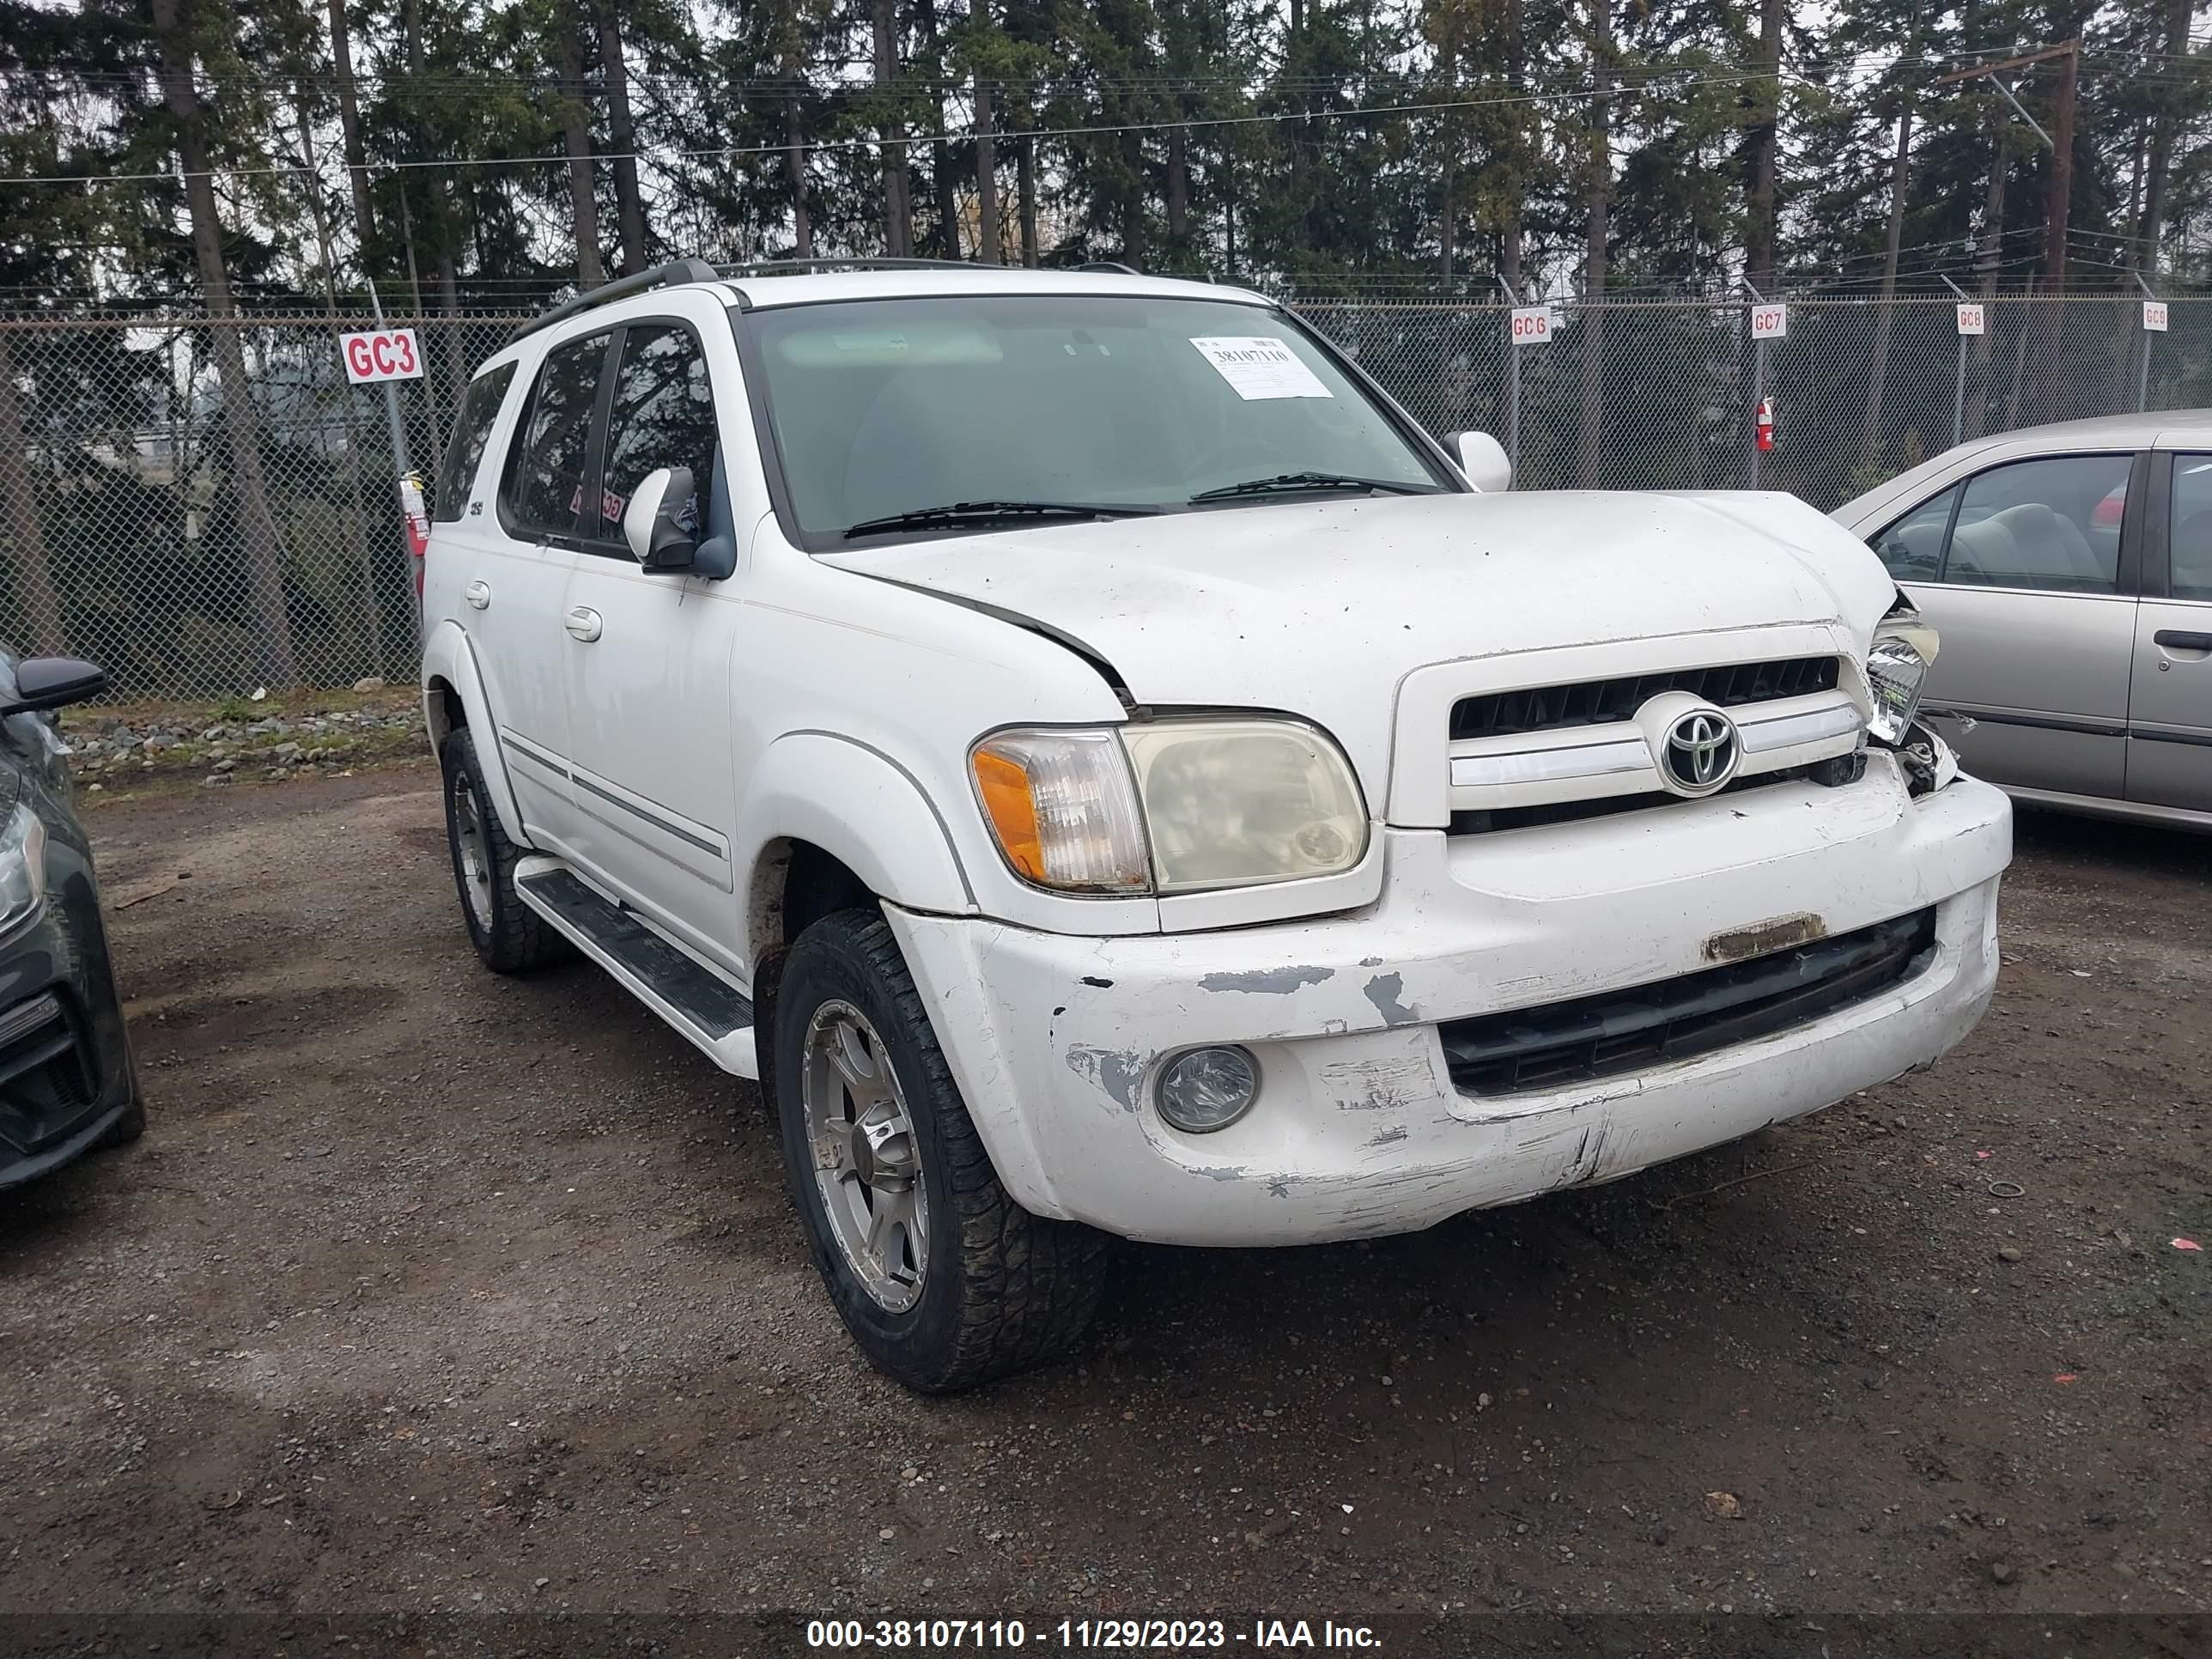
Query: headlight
x,y
1897,667
1229,802
1170,807
22,865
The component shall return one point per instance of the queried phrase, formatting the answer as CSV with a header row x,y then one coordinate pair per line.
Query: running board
x,y
710,1011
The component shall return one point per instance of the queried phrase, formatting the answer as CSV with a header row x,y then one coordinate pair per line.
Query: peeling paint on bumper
x,y
1358,1130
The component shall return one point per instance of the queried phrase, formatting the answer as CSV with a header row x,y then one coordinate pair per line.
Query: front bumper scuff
x,y
1358,1131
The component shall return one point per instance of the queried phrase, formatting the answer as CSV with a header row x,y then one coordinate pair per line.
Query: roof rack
x,y
849,262
676,271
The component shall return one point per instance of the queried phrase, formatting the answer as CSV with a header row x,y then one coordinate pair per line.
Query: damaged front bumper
x,y
1360,1130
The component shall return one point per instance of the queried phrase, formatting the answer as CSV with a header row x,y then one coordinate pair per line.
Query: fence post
x,y
1758,379
2142,363
1958,398
1513,357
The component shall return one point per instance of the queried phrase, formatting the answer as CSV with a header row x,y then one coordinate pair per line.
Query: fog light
x,y
1207,1088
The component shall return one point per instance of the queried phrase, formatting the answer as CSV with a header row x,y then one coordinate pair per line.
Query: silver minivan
x,y
2068,570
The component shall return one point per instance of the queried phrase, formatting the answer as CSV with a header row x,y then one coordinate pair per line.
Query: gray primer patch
x,y
1383,991
1116,1071
1269,981
1222,1172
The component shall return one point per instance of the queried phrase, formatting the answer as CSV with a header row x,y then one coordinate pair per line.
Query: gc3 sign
x,y
385,354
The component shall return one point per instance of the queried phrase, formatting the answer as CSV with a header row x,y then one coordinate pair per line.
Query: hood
x,y
1320,608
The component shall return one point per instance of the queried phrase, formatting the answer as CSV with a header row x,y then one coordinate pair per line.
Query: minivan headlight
x,y
22,865
1172,806
1897,667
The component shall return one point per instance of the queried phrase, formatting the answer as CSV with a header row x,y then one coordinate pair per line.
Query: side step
x,y
698,1002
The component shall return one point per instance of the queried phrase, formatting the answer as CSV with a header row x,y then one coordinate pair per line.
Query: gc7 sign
x,y
1769,322
384,353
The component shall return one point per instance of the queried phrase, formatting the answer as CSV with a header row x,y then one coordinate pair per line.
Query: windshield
x,y
1007,404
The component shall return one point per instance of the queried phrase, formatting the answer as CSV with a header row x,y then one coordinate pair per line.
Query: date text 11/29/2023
x,y
1143,1634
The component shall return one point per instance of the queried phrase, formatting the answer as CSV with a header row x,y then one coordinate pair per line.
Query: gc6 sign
x,y
385,354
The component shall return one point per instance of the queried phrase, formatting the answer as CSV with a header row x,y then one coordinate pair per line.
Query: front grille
x,y
1597,1036
1831,773
1598,703
44,1087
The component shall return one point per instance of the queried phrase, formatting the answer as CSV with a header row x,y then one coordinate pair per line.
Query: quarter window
x,y
545,479
2190,538
663,416
465,450
2051,524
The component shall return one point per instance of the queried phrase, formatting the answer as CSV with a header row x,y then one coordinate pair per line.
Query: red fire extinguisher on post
x,y
415,518
1763,424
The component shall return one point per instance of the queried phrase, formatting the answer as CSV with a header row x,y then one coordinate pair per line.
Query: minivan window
x,y
663,416
545,469
2052,524
465,449
2190,571
876,408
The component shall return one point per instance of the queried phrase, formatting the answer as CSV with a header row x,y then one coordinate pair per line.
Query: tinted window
x,y
1912,547
2051,523
663,416
465,450
2192,527
545,473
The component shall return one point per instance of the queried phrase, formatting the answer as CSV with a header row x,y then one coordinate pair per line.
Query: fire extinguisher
x,y
1763,424
415,516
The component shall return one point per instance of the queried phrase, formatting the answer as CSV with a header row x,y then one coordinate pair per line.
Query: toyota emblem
x,y
1701,752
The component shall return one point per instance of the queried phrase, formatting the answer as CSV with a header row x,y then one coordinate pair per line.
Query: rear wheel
x,y
942,1279
510,936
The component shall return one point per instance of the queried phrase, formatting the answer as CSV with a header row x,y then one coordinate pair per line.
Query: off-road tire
x,y
511,938
1004,1290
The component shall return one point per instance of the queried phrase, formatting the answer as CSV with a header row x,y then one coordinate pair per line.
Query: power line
x,y
732,151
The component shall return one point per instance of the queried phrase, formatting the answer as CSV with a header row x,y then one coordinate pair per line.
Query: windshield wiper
x,y
964,513
1287,483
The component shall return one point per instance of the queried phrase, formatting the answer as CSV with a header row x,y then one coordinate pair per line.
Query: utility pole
x,y
2052,385
2060,138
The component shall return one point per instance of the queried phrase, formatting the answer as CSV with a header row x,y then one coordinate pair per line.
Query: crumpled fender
x,y
448,656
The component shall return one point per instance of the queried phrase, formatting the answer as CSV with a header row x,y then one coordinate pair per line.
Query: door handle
x,y
583,624
2175,639
477,593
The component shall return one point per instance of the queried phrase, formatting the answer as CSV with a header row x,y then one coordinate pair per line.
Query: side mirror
x,y
54,682
1483,459
661,523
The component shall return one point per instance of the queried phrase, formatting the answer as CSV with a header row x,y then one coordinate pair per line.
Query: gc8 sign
x,y
385,354
1972,318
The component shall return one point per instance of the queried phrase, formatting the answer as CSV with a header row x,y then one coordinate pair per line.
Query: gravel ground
x,y
436,1292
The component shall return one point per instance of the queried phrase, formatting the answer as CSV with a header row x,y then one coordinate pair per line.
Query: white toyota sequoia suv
x,y
1105,770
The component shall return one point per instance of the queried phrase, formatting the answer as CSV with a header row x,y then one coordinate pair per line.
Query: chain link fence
x,y
197,545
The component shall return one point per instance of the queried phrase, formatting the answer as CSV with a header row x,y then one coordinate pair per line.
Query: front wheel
x,y
942,1279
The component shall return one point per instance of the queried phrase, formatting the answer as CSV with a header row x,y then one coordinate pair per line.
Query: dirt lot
x,y
436,1291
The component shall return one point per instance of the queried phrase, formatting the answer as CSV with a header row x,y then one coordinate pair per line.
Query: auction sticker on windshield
x,y
1260,366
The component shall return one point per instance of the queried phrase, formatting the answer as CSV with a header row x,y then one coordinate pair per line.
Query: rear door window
x,y
663,416
2052,524
2190,538
546,475
465,450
